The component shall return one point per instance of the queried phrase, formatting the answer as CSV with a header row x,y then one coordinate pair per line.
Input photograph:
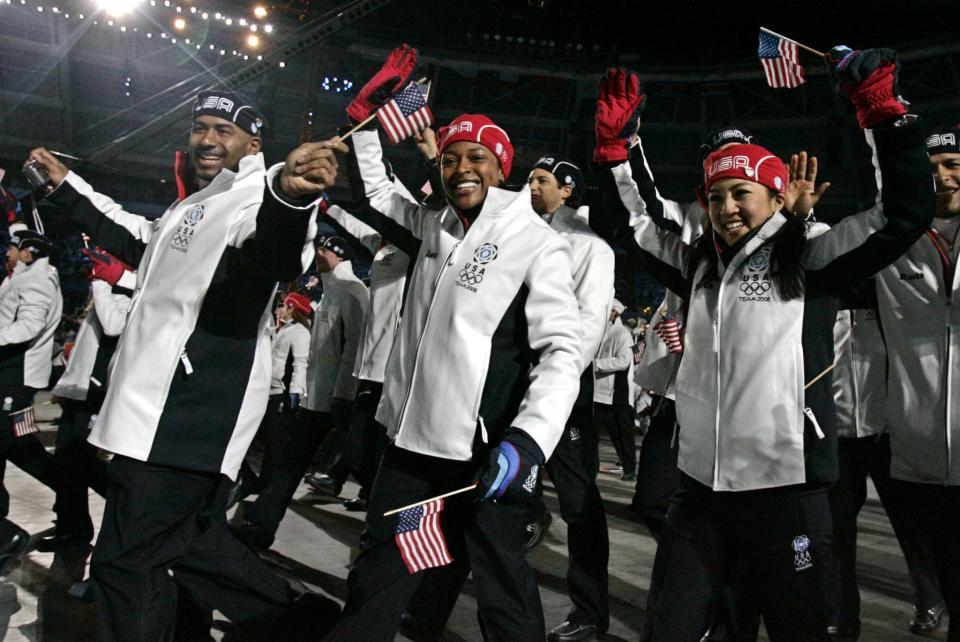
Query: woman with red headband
x,y
483,373
758,445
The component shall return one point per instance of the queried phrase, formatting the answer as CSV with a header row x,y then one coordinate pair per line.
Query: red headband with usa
x,y
748,162
477,128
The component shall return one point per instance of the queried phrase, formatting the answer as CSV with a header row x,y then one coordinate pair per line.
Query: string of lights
x,y
178,23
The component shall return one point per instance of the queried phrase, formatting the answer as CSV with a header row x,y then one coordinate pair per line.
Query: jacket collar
x,y
342,271
23,268
250,167
499,203
770,227
571,219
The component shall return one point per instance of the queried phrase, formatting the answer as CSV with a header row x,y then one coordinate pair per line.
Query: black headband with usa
x,y
566,173
944,140
230,106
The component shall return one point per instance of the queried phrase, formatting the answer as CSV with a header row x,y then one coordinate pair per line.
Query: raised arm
x,y
861,245
114,229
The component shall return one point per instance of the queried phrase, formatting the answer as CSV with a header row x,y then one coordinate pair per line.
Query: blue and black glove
x,y
512,470
293,401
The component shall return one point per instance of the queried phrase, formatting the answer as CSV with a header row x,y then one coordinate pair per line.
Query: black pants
x,y
307,432
165,530
78,469
26,452
859,458
938,509
273,434
573,469
770,548
657,474
617,419
489,534
366,438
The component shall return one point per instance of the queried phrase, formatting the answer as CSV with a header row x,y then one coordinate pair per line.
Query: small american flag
x,y
406,114
669,331
23,422
779,60
638,352
419,538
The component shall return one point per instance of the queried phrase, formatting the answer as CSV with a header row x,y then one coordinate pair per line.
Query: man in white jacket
x,y
191,375
330,388
556,187
919,310
30,309
613,388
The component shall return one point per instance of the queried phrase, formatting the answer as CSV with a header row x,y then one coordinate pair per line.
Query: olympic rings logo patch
x,y
753,288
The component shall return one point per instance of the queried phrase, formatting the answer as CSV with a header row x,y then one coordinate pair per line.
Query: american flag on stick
x,y
23,422
668,329
419,538
406,114
778,56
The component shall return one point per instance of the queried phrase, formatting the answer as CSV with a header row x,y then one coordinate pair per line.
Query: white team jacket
x,y
740,386
291,339
593,264
191,374
106,318
860,378
335,338
616,355
30,309
920,313
463,284
388,276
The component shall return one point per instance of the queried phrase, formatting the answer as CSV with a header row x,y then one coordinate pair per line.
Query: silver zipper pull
x,y
813,419
185,360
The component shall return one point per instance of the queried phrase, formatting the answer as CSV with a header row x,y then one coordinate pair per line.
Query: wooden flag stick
x,y
821,375
372,116
799,44
427,501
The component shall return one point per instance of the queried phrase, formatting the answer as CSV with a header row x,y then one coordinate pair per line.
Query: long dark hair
x,y
786,268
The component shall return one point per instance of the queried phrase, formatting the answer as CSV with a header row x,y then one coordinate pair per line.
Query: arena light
x,y
179,24
117,7
260,11
253,40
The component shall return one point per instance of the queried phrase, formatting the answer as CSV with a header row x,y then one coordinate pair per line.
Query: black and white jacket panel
x,y
192,370
490,336
748,420
30,309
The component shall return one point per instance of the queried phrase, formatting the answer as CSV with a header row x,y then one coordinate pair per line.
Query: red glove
x,y
389,80
619,105
105,266
869,78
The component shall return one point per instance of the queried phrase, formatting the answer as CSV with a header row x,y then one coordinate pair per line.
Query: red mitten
x,y
869,78
389,80
619,105
105,266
